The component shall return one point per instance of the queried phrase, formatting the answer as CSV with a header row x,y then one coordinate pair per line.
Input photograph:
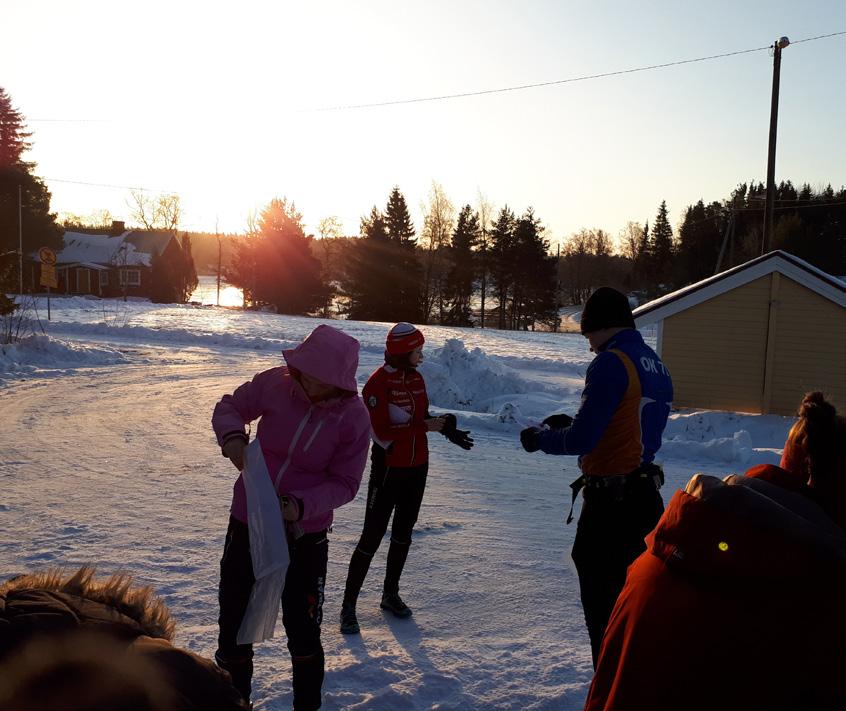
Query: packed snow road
x,y
118,466
107,457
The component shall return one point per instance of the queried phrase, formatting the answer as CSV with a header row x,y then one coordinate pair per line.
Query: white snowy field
x,y
107,457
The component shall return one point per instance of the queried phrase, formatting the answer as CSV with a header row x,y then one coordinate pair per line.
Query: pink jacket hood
x,y
329,355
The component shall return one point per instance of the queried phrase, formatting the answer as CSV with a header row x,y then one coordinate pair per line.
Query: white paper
x,y
268,549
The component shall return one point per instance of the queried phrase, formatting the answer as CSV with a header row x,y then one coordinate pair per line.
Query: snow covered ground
x,y
107,456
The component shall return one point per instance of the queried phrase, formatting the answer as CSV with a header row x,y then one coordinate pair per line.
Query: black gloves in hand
x,y
460,437
529,438
558,422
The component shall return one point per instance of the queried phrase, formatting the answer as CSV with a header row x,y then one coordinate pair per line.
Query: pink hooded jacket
x,y
319,448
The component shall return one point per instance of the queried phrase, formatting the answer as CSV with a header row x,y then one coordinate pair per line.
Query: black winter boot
x,y
393,603
397,555
241,671
307,681
349,621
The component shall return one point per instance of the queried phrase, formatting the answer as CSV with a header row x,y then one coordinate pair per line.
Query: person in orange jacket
x,y
396,398
738,601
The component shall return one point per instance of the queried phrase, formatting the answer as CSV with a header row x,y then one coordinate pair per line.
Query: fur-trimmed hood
x,y
55,599
115,636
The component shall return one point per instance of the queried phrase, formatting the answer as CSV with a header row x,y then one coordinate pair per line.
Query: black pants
x,y
610,536
302,611
397,490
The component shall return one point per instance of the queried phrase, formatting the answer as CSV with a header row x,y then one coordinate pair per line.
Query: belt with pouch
x,y
615,486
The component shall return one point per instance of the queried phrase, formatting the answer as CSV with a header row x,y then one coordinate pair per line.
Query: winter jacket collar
x,y
629,335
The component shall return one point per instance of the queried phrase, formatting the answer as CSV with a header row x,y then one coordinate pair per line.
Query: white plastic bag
x,y
268,549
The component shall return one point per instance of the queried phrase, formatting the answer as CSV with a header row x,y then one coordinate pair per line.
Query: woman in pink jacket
x,y
314,433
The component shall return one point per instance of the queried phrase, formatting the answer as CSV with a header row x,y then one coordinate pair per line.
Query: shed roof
x,y
797,269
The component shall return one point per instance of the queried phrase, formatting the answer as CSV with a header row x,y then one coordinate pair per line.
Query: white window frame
x,y
130,277
104,277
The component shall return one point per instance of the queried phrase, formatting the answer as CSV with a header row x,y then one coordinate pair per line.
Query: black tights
x,y
397,490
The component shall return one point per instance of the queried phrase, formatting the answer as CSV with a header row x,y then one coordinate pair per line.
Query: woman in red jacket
x,y
396,398
737,602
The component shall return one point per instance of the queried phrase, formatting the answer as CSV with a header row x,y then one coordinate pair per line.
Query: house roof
x,y
149,241
135,248
797,269
79,247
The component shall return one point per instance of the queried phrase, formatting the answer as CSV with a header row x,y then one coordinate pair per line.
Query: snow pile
x,y
726,450
470,380
725,437
40,352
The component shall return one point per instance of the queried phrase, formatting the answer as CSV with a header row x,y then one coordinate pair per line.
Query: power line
x,y
108,185
537,85
570,80
811,39
501,90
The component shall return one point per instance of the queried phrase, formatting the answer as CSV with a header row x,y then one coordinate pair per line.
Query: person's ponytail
x,y
818,425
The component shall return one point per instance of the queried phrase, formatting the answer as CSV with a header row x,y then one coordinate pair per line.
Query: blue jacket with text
x,y
625,404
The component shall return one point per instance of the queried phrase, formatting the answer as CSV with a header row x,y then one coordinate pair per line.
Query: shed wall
x,y
715,351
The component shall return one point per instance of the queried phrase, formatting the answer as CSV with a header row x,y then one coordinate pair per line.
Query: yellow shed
x,y
754,338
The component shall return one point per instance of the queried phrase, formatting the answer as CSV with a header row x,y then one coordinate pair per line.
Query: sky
x,y
232,104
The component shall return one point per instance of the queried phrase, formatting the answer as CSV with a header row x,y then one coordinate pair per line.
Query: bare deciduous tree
x,y
330,228
629,240
485,211
438,224
160,212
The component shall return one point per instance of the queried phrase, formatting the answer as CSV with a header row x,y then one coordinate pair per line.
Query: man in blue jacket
x,y
616,433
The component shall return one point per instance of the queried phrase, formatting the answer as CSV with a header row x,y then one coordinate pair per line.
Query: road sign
x,y
48,275
47,256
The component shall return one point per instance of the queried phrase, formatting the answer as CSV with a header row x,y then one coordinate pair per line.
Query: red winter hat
x,y
403,338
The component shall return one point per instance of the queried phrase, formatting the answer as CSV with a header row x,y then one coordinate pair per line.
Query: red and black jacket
x,y
398,405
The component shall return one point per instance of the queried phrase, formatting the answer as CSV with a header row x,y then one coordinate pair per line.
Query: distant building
x,y
112,264
754,338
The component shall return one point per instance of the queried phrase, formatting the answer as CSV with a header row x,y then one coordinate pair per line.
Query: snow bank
x,y
469,380
726,437
40,352
174,336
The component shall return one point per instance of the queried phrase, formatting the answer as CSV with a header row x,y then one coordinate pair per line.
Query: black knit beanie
x,y
606,308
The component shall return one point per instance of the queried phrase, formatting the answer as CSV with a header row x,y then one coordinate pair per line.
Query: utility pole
x,y
20,246
219,260
778,45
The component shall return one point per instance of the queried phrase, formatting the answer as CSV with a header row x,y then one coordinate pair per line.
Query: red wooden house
x,y
115,264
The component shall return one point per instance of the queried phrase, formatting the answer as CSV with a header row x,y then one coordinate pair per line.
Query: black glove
x,y
529,438
456,436
558,422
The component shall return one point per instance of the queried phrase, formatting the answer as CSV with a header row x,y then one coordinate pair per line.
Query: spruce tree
x,y
500,261
277,266
461,277
534,291
397,220
700,238
13,135
382,276
188,281
661,248
403,289
17,182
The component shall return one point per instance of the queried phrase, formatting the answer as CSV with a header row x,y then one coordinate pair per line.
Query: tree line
x,y
467,266
462,268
